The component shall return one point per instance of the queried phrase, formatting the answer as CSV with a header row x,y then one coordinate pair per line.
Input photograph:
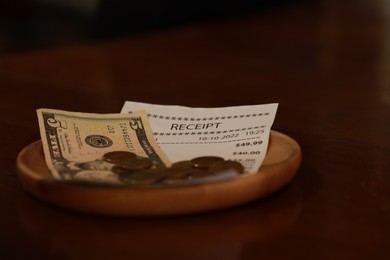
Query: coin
x,y
205,161
120,171
182,164
137,163
177,173
118,156
144,177
225,166
138,171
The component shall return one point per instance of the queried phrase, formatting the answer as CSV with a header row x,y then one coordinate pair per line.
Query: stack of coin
x,y
140,171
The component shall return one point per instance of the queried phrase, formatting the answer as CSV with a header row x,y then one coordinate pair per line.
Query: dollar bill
x,y
74,143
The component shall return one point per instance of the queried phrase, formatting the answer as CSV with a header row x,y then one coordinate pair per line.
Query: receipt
x,y
238,133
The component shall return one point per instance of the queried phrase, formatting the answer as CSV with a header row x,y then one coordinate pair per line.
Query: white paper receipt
x,y
237,133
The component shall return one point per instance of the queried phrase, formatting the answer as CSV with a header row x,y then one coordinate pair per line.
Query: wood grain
x,y
326,63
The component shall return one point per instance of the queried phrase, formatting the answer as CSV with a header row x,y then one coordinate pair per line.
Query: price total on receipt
x,y
239,133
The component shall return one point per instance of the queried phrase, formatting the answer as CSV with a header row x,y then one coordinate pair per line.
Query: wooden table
x,y
326,63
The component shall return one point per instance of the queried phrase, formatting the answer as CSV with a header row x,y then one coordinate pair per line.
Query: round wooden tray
x,y
279,166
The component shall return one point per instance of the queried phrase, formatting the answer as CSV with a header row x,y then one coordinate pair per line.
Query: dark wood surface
x,y
327,63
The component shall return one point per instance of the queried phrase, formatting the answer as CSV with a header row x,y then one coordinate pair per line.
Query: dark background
x,y
27,25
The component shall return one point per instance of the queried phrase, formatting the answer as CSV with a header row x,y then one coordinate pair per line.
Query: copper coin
x,y
136,164
144,177
118,156
205,161
182,164
120,171
220,167
177,173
